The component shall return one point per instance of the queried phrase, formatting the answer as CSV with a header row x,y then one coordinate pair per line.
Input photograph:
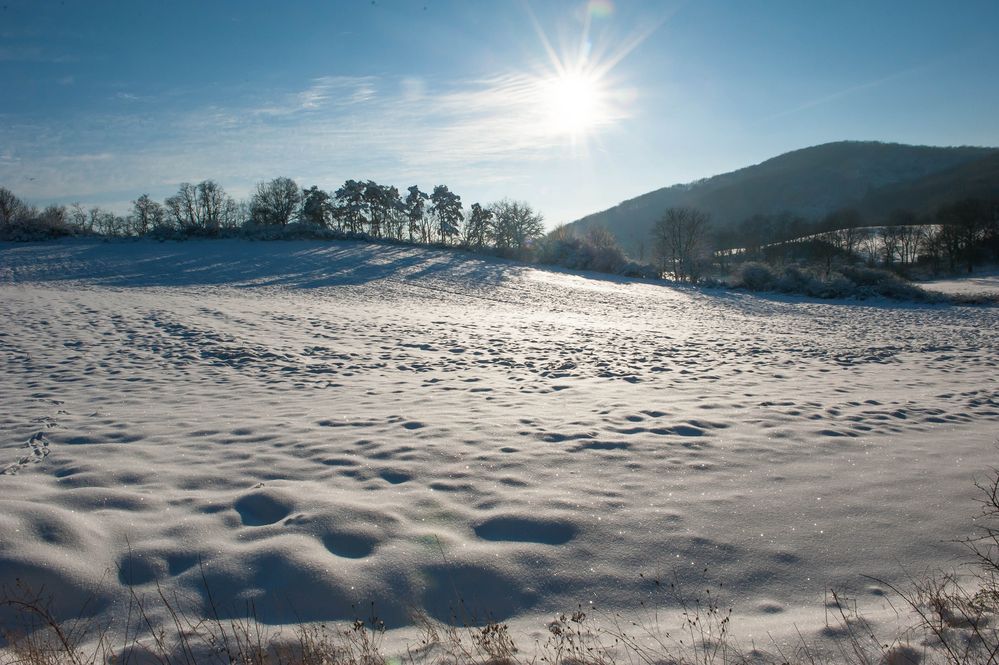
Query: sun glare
x,y
575,95
573,102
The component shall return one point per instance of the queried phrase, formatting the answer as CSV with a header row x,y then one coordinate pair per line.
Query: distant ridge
x,y
871,176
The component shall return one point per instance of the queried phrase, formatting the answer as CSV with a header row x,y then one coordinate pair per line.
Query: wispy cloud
x,y
33,54
321,93
847,92
86,158
402,130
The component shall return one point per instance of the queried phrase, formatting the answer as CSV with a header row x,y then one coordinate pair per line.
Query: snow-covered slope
x,y
323,426
979,284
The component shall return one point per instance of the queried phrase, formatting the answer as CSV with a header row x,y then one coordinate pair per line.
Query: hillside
x,y
978,178
310,427
314,427
812,182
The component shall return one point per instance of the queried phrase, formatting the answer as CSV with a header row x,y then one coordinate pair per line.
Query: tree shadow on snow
x,y
240,263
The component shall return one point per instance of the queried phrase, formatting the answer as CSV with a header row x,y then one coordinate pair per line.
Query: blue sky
x,y
102,101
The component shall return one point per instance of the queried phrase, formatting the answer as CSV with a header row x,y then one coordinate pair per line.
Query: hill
x,y
975,179
311,431
875,177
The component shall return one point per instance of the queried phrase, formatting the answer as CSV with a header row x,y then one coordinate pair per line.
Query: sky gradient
x,y
104,101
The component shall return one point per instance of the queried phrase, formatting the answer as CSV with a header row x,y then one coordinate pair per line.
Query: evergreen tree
x,y
447,210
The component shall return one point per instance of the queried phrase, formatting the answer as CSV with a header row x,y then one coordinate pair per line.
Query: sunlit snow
x,y
324,426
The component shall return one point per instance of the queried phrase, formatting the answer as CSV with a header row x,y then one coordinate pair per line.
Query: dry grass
x,y
953,620
700,636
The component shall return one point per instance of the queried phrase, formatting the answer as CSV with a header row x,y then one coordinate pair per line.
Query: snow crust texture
x,y
317,428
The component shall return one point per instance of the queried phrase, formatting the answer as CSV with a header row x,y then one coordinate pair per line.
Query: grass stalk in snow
x,y
954,621
953,626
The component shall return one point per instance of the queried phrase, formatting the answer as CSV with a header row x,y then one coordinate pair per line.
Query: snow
x,y
315,427
979,283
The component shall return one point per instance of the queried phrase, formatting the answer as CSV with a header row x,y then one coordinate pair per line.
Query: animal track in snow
x,y
37,450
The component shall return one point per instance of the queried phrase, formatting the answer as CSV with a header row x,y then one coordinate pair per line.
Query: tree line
x,y
957,236
685,245
356,209
359,209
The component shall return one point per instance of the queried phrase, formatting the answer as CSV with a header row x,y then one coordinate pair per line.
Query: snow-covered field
x,y
330,425
982,282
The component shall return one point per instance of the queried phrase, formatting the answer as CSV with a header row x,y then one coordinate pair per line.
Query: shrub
x,y
597,251
796,280
844,282
837,286
886,283
294,231
639,270
754,276
38,227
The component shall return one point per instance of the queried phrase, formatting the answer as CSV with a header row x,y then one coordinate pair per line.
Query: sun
x,y
575,94
573,102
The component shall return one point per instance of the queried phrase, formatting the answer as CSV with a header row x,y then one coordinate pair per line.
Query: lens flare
x,y
600,8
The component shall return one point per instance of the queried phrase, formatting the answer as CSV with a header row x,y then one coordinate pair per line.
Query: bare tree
x,y
845,230
55,220
679,239
275,202
114,225
78,218
967,221
990,237
217,206
948,239
147,214
605,253
851,239
182,208
910,239
889,239
516,226
932,247
901,237
13,211
203,209
869,246
18,220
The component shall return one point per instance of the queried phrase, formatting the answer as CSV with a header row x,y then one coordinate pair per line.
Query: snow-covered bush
x,y
37,227
885,283
844,282
293,231
638,270
754,276
795,280
836,286
597,250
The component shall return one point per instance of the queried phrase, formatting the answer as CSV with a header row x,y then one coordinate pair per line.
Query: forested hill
x,y
811,182
978,178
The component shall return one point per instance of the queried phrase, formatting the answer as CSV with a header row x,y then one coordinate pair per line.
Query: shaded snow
x,y
329,425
